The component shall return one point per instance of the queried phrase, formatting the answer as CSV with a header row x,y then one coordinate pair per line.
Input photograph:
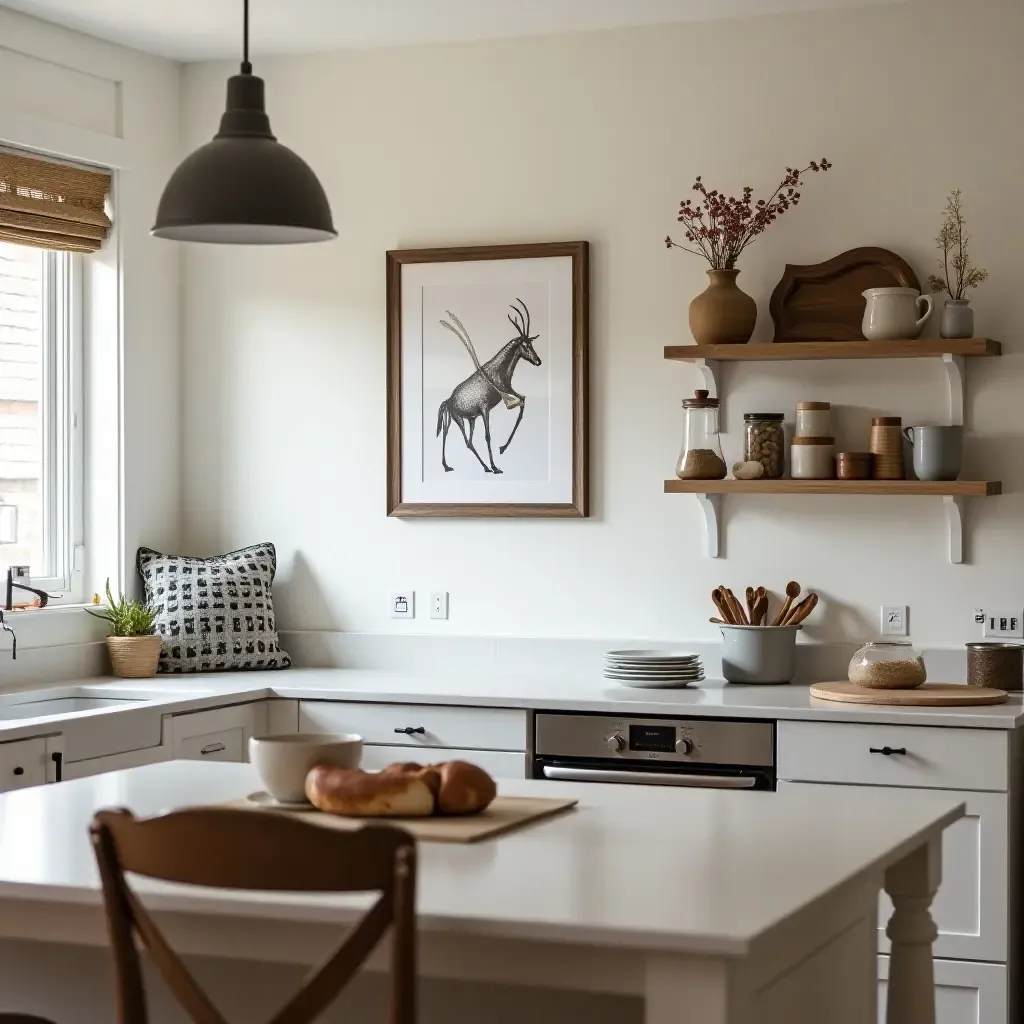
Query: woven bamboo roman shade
x,y
52,206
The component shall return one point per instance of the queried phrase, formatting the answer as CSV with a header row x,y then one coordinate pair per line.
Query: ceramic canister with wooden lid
x,y
813,419
811,458
887,448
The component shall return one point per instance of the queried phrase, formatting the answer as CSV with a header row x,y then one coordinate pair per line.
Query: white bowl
x,y
283,762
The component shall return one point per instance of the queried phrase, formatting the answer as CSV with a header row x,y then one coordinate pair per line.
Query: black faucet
x,y
9,603
5,626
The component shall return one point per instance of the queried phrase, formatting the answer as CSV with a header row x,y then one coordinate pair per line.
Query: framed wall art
x,y
487,380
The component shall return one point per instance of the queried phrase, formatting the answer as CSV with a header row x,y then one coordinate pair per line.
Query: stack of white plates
x,y
653,669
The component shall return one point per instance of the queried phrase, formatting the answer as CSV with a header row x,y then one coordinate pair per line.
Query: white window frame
x,y
61,428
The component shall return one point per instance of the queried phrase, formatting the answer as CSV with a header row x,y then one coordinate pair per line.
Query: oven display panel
x,y
655,738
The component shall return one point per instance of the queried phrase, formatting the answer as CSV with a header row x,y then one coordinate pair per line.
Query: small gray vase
x,y
957,319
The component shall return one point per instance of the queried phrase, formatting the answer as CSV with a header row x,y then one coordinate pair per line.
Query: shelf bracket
x,y
955,514
711,506
709,369
956,375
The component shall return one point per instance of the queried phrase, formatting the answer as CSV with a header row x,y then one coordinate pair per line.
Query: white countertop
x,y
713,698
533,691
631,867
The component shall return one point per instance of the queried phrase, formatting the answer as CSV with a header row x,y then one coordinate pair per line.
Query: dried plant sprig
x,y
958,271
125,616
721,226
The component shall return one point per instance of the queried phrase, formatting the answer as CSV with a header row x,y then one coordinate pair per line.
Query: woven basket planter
x,y
134,657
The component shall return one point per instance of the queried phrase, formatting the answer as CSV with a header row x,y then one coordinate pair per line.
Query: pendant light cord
x,y
246,66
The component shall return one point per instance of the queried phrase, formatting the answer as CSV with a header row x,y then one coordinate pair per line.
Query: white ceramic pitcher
x,y
891,313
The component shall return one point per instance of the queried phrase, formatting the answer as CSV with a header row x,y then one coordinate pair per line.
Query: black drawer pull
x,y
19,770
887,750
410,731
213,748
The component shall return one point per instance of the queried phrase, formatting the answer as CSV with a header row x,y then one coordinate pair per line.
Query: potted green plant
x,y
958,271
133,646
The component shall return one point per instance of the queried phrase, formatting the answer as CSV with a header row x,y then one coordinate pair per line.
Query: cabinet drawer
x,y
114,762
22,764
225,745
931,758
965,993
418,725
502,764
970,908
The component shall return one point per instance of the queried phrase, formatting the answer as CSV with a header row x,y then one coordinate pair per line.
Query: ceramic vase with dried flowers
x,y
719,228
958,272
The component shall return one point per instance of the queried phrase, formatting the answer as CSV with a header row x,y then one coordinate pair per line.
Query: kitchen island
x,y
703,906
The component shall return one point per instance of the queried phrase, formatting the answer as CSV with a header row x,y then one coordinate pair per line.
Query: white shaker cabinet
x,y
970,908
502,764
976,905
965,992
218,734
419,725
23,763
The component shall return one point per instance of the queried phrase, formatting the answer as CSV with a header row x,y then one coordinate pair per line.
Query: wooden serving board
x,y
505,814
928,695
823,301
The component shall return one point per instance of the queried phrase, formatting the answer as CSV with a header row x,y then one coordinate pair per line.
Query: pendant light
x,y
244,187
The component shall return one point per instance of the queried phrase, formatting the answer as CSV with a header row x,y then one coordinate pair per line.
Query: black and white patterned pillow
x,y
214,614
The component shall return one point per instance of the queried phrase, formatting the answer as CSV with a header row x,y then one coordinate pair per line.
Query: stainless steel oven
x,y
703,752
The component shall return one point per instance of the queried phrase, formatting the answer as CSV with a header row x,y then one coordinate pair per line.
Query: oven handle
x,y
650,778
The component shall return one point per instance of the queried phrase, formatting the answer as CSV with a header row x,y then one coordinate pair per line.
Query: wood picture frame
x,y
554,277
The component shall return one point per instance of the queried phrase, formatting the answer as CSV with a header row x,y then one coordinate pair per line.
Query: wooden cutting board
x,y
929,695
505,814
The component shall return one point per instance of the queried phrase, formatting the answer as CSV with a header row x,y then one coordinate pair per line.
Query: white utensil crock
x,y
891,313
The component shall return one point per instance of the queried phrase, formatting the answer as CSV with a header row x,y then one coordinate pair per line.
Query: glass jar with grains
x,y
701,457
764,441
894,665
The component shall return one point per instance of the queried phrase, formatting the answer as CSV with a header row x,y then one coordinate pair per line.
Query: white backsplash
x,y
431,653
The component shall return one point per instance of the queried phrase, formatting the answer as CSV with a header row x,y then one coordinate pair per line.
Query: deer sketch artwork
x,y
490,384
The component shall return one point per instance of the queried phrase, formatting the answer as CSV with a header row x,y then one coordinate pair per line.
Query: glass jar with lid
x,y
764,441
701,457
888,665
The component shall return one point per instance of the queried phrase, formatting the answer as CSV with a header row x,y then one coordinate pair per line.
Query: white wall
x,y
598,136
78,96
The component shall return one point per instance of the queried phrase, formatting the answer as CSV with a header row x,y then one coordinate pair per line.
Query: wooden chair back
x,y
235,849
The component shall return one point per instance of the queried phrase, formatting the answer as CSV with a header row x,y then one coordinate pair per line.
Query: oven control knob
x,y
616,744
684,745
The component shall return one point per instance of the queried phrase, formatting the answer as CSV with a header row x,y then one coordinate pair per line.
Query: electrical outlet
x,y
1004,622
403,604
439,604
894,620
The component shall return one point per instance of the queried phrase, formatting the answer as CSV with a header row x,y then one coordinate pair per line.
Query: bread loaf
x,y
403,789
465,788
359,794
428,773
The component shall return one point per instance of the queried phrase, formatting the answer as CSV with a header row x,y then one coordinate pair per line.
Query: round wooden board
x,y
929,695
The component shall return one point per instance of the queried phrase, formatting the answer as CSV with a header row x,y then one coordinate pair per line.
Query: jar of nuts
x,y
764,441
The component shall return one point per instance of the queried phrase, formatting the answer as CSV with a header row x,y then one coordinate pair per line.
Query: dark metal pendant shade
x,y
244,187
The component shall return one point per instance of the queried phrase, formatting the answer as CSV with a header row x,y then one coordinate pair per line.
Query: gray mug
x,y
938,451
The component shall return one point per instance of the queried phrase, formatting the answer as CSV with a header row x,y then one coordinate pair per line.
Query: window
x,y
40,413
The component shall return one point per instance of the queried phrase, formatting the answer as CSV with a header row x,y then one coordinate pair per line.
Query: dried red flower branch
x,y
721,226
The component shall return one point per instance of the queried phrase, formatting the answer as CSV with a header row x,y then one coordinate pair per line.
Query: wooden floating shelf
x,y
930,488
928,348
709,493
